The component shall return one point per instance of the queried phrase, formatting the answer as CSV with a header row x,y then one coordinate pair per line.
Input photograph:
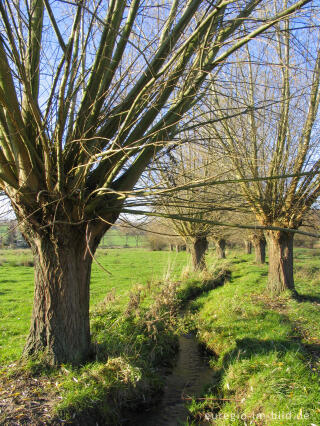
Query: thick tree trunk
x,y
198,250
259,243
248,246
220,248
280,249
60,327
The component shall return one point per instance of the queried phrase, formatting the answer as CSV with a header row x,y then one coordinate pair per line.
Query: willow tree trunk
x,y
248,246
280,250
220,248
198,250
60,329
259,243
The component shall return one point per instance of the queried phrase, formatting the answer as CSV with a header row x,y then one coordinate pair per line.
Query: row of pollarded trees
x,y
195,211
263,124
199,211
278,140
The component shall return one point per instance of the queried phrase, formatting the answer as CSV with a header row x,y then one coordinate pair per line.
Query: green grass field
x,y
115,238
127,267
266,350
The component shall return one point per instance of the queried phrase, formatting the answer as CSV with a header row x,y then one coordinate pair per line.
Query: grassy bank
x,y
266,351
132,323
132,342
134,335
133,345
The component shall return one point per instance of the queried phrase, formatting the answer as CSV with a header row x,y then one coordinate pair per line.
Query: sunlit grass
x,y
263,365
127,267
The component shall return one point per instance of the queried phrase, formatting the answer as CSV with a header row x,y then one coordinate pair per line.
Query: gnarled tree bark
x,y
198,250
60,327
259,243
248,246
220,248
280,250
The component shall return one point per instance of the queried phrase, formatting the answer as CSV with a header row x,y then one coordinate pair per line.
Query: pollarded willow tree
x,y
250,236
89,92
277,140
259,243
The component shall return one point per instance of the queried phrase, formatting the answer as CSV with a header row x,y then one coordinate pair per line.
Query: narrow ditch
x,y
187,379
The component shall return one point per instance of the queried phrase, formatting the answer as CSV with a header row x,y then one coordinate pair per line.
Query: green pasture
x,y
265,351
115,238
119,269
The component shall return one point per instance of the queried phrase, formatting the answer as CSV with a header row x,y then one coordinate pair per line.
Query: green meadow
x,y
118,238
264,351
114,270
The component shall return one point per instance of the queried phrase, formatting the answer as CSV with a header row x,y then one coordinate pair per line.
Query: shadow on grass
x,y
306,298
192,290
248,347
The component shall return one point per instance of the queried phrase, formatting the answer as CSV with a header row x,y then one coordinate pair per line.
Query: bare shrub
x,y
135,298
156,243
164,309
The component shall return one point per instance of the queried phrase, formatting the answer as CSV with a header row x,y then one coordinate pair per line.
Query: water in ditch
x,y
188,378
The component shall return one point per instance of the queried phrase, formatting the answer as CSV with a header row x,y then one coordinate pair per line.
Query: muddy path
x,y
187,379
